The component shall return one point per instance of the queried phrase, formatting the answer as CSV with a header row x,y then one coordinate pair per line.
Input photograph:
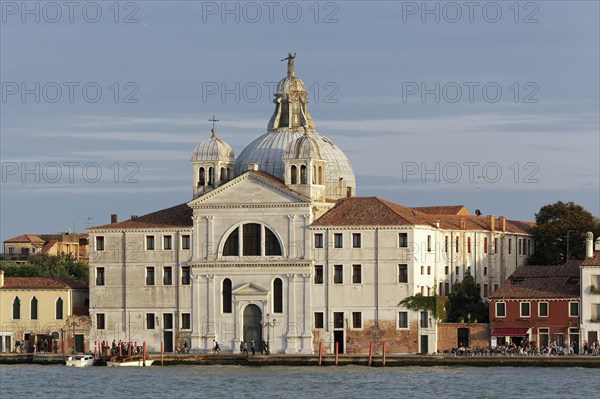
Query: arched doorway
x,y
252,327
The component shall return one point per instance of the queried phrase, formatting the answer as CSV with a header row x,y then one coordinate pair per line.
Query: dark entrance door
x,y
338,338
424,344
79,343
252,327
463,337
168,338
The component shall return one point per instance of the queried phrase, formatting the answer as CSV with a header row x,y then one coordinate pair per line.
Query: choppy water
x,y
181,382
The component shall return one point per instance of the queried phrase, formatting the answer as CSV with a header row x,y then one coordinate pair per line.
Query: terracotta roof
x,y
176,216
374,211
444,210
42,283
541,282
48,245
593,261
32,238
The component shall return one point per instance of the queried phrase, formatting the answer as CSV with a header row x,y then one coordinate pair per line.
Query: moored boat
x,y
80,361
128,361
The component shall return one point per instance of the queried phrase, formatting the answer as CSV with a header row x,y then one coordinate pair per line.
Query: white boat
x,y
128,361
80,361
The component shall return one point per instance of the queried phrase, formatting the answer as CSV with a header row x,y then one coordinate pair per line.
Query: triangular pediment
x,y
249,289
250,188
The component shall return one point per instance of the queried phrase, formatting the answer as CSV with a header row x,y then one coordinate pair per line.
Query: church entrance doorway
x,y
252,327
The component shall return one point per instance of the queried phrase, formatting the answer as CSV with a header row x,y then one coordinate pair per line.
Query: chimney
x,y
252,166
502,220
597,245
589,245
1,278
113,218
463,224
492,223
134,217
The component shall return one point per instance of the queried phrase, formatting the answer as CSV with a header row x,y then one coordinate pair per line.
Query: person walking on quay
x,y
216,348
245,348
253,348
241,347
185,348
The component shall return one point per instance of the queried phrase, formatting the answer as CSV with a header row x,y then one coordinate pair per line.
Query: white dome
x,y
269,150
213,149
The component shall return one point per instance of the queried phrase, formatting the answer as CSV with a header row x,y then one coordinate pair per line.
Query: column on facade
x,y
210,310
195,311
291,237
305,246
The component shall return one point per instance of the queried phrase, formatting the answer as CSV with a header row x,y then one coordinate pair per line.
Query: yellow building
x,y
42,314
20,247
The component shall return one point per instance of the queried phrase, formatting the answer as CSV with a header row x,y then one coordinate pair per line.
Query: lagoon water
x,y
181,382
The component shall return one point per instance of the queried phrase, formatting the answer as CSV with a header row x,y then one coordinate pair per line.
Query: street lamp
x,y
268,324
468,330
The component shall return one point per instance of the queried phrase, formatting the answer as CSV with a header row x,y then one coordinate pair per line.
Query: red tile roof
x,y
42,283
541,282
593,261
444,210
374,211
176,216
48,245
31,238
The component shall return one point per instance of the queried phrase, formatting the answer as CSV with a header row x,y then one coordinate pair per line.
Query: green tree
x,y
560,226
465,300
48,266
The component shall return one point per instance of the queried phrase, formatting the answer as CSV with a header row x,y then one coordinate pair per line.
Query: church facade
x,y
275,246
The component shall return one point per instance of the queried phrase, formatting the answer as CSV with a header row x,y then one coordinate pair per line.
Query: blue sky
x,y
495,106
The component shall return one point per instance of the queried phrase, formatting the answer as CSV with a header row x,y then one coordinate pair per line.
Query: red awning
x,y
509,332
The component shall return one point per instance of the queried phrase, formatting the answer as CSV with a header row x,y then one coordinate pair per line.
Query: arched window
x,y
59,309
211,176
303,174
231,247
272,247
34,308
277,296
227,296
294,172
201,177
223,176
320,175
228,173
16,308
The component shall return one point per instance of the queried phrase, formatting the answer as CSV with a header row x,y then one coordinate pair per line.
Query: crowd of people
x,y
527,349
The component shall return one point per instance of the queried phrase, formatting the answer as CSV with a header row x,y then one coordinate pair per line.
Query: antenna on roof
x,y
89,222
477,212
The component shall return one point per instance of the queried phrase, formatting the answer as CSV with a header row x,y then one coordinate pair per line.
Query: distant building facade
x,y
590,291
20,247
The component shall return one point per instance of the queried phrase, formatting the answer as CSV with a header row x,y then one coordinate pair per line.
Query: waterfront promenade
x,y
330,360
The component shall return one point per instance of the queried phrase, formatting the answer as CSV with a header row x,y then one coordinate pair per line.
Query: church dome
x,y
213,149
304,147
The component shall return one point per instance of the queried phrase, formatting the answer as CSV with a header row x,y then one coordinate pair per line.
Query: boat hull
x,y
129,363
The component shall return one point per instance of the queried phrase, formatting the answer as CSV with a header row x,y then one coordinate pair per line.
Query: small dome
x,y
290,84
304,147
213,149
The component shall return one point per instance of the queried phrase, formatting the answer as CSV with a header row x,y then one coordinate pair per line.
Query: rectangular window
x,y
338,240
318,319
356,274
428,243
99,243
573,309
422,290
510,246
525,309
402,319
167,275
441,289
100,322
185,242
149,321
447,288
468,244
99,276
428,270
186,275
495,245
469,269
559,338
457,244
446,244
485,290
356,240
485,245
318,274
167,321
403,240
403,273
356,320
495,287
150,243
595,313
500,309
150,276
424,319
167,243
338,274
319,240
485,270
457,271
338,319
595,282
422,270
11,250
543,309
186,321
446,270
